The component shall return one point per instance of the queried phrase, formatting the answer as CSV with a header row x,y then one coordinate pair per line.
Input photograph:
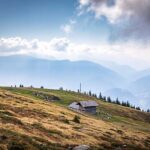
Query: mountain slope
x,y
124,70
141,89
141,84
52,74
142,73
30,122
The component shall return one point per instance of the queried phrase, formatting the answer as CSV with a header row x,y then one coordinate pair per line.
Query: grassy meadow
x,y
30,122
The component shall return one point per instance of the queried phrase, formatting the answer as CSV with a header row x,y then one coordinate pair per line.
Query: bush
x,y
76,119
16,146
66,121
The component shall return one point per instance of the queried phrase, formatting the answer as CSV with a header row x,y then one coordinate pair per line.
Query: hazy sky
x,y
95,30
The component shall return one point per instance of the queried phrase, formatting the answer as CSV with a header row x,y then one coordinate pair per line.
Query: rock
x,y
46,97
82,147
124,145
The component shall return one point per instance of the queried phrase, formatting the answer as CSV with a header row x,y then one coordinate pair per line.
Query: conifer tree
x,y
90,93
100,96
104,98
138,108
128,104
117,101
109,99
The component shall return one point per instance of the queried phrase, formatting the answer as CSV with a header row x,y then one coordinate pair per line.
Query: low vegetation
x,y
28,121
76,119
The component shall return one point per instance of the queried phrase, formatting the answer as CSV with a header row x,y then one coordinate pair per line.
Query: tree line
x,y
100,97
110,100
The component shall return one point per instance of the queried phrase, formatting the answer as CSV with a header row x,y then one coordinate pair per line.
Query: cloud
x,y
132,17
68,28
63,48
59,44
18,45
111,9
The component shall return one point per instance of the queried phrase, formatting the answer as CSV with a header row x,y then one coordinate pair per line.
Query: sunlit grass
x,y
52,123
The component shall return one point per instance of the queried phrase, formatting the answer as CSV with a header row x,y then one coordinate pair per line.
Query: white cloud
x,y
133,16
133,54
84,2
101,8
68,28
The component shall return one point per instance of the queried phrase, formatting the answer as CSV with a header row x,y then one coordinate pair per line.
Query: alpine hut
x,y
84,106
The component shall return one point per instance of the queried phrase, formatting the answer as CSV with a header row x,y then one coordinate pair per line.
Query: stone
x,y
82,147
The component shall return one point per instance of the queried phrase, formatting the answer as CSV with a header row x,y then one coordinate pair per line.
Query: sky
x,y
95,30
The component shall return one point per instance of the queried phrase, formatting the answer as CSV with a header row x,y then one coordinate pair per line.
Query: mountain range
x,y
116,81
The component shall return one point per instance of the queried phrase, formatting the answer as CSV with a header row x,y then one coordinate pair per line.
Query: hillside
x,y
69,74
29,122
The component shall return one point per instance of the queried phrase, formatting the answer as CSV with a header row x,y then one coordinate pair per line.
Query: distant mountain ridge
x,y
38,72
54,73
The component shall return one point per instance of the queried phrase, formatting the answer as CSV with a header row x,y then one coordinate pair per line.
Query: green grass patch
x,y
130,123
24,142
10,119
48,132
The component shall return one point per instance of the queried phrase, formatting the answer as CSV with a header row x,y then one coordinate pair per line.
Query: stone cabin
x,y
84,106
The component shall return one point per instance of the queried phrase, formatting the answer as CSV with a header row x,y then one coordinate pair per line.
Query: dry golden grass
x,y
44,125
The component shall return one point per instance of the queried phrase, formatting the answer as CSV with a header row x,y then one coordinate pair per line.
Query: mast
x,y
80,87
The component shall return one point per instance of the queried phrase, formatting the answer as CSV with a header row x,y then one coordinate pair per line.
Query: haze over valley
x,y
69,74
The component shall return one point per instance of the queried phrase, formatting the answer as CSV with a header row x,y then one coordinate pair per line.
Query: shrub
x,y
76,119
16,146
65,121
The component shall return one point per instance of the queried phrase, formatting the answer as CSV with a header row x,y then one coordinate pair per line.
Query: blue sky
x,y
34,18
43,19
95,30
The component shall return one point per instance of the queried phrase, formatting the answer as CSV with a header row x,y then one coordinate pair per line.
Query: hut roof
x,y
88,103
74,105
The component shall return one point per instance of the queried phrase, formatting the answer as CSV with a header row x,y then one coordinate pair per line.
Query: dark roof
x,y
88,103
